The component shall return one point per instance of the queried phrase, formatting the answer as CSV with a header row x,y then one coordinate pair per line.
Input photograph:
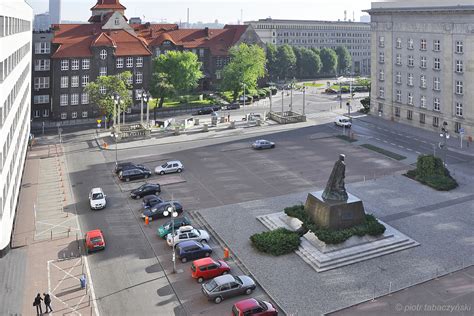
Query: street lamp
x,y
445,135
243,107
172,212
144,97
116,98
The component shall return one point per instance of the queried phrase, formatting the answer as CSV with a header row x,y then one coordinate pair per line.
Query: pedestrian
x,y
47,302
228,117
37,303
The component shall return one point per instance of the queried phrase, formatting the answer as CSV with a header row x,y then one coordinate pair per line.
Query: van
x,y
343,121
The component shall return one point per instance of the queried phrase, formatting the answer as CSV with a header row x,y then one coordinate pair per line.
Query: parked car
x,y
127,165
97,199
208,268
343,121
225,286
158,210
94,240
191,249
167,228
254,307
151,200
187,233
170,167
205,110
145,189
331,91
263,144
134,174
231,106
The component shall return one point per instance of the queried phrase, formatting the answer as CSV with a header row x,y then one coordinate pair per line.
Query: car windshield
x,y
237,279
140,188
344,120
97,196
262,304
211,286
96,240
164,165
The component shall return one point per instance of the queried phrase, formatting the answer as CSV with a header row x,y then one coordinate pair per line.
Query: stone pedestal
x,y
334,214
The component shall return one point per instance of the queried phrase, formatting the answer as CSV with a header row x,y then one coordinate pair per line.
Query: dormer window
x,y
103,54
117,21
166,43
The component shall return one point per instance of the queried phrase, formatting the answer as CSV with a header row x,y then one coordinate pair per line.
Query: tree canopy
x,y
329,60
286,60
272,63
344,60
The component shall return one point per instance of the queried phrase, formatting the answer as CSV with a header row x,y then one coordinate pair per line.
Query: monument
x,y
334,207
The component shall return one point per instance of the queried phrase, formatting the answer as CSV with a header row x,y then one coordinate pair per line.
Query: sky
x,y
225,11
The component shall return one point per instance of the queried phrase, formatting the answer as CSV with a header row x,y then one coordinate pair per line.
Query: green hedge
x,y
431,172
276,242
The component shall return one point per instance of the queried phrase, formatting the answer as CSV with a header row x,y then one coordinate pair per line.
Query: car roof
x,y
173,161
186,228
187,243
96,190
223,279
246,304
94,233
203,261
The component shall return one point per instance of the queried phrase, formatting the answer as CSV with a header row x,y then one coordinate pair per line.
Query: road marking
x,y
385,141
54,226
418,152
401,146
51,292
409,149
393,144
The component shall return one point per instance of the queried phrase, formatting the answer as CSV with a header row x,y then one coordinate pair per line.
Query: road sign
x,y
461,130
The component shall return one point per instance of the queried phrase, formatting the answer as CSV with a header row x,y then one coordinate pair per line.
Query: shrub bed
x,y
276,242
431,172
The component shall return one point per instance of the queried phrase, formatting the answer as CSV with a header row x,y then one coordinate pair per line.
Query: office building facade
x,y
55,11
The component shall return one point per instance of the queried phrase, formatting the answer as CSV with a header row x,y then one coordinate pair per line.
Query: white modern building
x,y
320,34
55,11
15,102
422,66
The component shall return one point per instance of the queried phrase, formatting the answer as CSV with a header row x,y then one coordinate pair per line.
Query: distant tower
x,y
187,21
55,11
345,15
353,16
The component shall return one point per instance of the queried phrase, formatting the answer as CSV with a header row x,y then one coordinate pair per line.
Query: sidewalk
x,y
46,230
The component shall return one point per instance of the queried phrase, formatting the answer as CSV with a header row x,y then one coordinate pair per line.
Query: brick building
x,y
69,56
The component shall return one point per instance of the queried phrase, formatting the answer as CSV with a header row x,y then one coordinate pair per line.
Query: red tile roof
x,y
108,4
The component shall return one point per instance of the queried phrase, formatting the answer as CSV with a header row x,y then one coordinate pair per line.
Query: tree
x,y
344,59
174,72
310,63
329,60
286,61
299,61
246,66
102,90
272,66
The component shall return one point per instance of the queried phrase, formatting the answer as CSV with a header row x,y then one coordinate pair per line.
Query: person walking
x,y
47,302
37,303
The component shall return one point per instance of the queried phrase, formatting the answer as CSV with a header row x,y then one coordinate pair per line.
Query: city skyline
x,y
230,12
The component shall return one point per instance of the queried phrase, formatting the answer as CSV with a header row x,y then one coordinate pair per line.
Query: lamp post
x,y
144,96
304,99
116,98
243,107
172,212
445,135
291,95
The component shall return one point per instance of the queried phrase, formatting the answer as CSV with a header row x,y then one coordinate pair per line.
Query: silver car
x,y
225,286
169,167
263,144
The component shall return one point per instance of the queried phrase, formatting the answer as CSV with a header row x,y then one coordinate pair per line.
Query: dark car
x,y
167,228
158,210
192,249
205,110
231,106
151,200
134,174
145,189
127,165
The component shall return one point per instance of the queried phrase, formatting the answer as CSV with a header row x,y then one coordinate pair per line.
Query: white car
x,y
169,167
343,121
187,233
97,199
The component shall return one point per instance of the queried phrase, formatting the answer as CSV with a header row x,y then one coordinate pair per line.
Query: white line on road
x,y
401,146
418,152
409,149
393,144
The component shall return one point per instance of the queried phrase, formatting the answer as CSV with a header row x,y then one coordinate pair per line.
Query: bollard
x,y
226,253
147,220
68,232
51,235
373,297
390,289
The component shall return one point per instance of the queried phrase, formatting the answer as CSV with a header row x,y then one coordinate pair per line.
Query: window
x,y
399,43
422,81
63,116
423,101
411,61
85,98
410,43
409,115
102,90
436,45
64,82
423,61
459,47
157,52
41,83
436,83
437,64
422,118
410,98
64,64
436,104
458,109
399,96
130,80
119,63
422,44
381,41
399,59
75,64
459,87
457,127
398,77
42,48
138,77
459,66
117,21
86,64
381,93
103,54
139,62
410,80
138,94
103,71
74,99
84,114
75,81
380,108
85,80
435,121
381,75
129,62
74,115
64,99
45,113
41,99
381,57
201,52
42,64
397,111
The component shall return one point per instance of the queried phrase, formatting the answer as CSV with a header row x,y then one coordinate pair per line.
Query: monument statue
x,y
335,188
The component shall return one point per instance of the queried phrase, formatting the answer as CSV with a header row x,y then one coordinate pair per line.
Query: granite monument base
x,y
334,214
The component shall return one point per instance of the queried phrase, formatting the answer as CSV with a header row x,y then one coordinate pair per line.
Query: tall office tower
x,y
55,11
15,85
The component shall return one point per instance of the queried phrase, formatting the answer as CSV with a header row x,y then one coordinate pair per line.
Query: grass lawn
x,y
316,85
384,152
173,102
336,87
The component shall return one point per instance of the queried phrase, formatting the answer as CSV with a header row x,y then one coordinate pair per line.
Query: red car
x,y
252,306
94,240
208,268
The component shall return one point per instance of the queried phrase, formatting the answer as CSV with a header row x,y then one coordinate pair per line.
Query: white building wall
x,y
15,84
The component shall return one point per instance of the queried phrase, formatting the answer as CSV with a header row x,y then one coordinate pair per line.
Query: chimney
x,y
206,31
